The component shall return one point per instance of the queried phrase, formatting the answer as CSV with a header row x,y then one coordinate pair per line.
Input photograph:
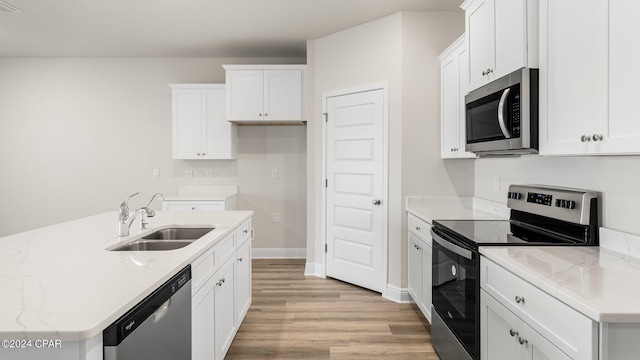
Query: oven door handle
x,y
503,126
451,246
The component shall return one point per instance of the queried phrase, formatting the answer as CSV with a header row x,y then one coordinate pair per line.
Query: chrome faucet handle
x,y
124,207
149,211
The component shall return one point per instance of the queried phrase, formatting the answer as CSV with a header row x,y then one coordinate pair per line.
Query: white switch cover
x,y
189,173
156,173
276,218
496,182
274,173
209,173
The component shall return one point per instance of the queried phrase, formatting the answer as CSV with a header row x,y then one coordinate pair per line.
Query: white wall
x,y
402,50
80,134
617,177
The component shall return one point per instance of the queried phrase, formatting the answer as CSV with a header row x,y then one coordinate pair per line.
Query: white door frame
x,y
320,245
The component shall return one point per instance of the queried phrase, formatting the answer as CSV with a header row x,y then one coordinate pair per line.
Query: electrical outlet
x,y
209,173
156,173
189,173
274,173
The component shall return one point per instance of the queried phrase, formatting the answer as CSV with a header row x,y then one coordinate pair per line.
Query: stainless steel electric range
x,y
540,215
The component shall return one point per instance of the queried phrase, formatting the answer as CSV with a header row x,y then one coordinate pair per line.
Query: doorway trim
x,y
320,245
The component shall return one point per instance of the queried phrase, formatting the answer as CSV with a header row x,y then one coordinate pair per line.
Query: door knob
x,y
376,202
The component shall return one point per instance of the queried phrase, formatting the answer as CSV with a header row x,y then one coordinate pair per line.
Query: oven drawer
x,y
566,328
420,228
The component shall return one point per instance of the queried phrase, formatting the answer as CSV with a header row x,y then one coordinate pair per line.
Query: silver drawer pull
x,y
513,332
519,299
522,341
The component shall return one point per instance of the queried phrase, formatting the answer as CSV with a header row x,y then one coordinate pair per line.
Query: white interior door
x,y
355,189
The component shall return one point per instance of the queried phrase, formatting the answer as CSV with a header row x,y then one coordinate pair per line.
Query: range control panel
x,y
572,205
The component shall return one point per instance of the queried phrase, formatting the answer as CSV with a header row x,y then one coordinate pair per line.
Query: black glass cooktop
x,y
506,232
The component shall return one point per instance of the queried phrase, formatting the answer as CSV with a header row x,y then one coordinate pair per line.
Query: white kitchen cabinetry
x,y
588,77
453,88
198,205
502,37
221,293
420,264
200,129
520,321
264,94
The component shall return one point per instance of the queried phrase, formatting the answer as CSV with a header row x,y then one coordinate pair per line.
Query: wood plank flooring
x,y
293,316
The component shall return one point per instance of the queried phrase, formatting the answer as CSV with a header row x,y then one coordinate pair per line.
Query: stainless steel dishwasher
x,y
157,328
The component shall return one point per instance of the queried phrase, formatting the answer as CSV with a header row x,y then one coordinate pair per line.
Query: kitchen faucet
x,y
125,218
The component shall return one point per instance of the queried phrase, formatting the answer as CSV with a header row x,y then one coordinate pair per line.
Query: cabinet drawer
x,y
202,268
193,206
225,248
565,327
420,228
243,232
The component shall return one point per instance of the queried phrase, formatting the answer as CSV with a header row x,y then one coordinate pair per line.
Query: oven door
x,y
456,289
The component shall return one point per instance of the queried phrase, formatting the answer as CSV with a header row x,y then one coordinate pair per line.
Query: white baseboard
x,y
278,253
313,269
399,295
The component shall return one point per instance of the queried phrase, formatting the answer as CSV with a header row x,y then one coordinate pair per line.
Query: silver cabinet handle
x,y
246,231
597,137
522,341
585,138
260,114
513,332
219,283
503,126
376,202
418,228
519,299
265,114
240,259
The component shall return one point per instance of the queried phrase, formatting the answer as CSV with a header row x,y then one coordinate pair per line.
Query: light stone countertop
x,y
60,282
600,283
429,208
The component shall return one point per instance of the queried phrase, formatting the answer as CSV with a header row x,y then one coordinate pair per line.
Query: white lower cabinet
x,y
200,205
221,294
420,264
225,322
504,336
520,321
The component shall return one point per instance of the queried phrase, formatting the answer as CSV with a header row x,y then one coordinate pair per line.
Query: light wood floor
x,y
298,317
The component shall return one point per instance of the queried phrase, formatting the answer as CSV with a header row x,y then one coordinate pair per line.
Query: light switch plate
x,y
189,173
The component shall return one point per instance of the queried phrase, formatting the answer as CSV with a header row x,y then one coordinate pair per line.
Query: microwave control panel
x,y
515,116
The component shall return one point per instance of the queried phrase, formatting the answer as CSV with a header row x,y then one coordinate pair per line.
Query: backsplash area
x,y
616,177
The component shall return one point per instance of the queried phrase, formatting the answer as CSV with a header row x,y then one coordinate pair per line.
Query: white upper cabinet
x,y
502,36
453,85
200,130
588,77
265,93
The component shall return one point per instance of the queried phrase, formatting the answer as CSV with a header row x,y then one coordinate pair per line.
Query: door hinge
x,y
326,183
326,117
326,248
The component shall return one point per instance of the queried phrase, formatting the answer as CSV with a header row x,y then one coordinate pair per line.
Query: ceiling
x,y
185,28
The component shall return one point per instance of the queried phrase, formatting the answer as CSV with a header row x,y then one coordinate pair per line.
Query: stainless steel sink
x,y
178,233
165,239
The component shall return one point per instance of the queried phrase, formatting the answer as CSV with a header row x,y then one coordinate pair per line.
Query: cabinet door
x,y
245,95
219,135
623,132
243,281
480,42
573,75
415,269
283,95
426,300
187,107
510,36
450,106
224,308
193,206
537,347
499,330
202,322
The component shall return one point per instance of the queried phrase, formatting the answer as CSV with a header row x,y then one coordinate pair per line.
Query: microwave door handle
x,y
503,127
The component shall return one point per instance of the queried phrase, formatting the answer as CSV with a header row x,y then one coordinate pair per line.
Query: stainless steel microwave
x,y
502,116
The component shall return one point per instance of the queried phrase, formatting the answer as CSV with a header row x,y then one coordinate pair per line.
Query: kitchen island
x,y
61,286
